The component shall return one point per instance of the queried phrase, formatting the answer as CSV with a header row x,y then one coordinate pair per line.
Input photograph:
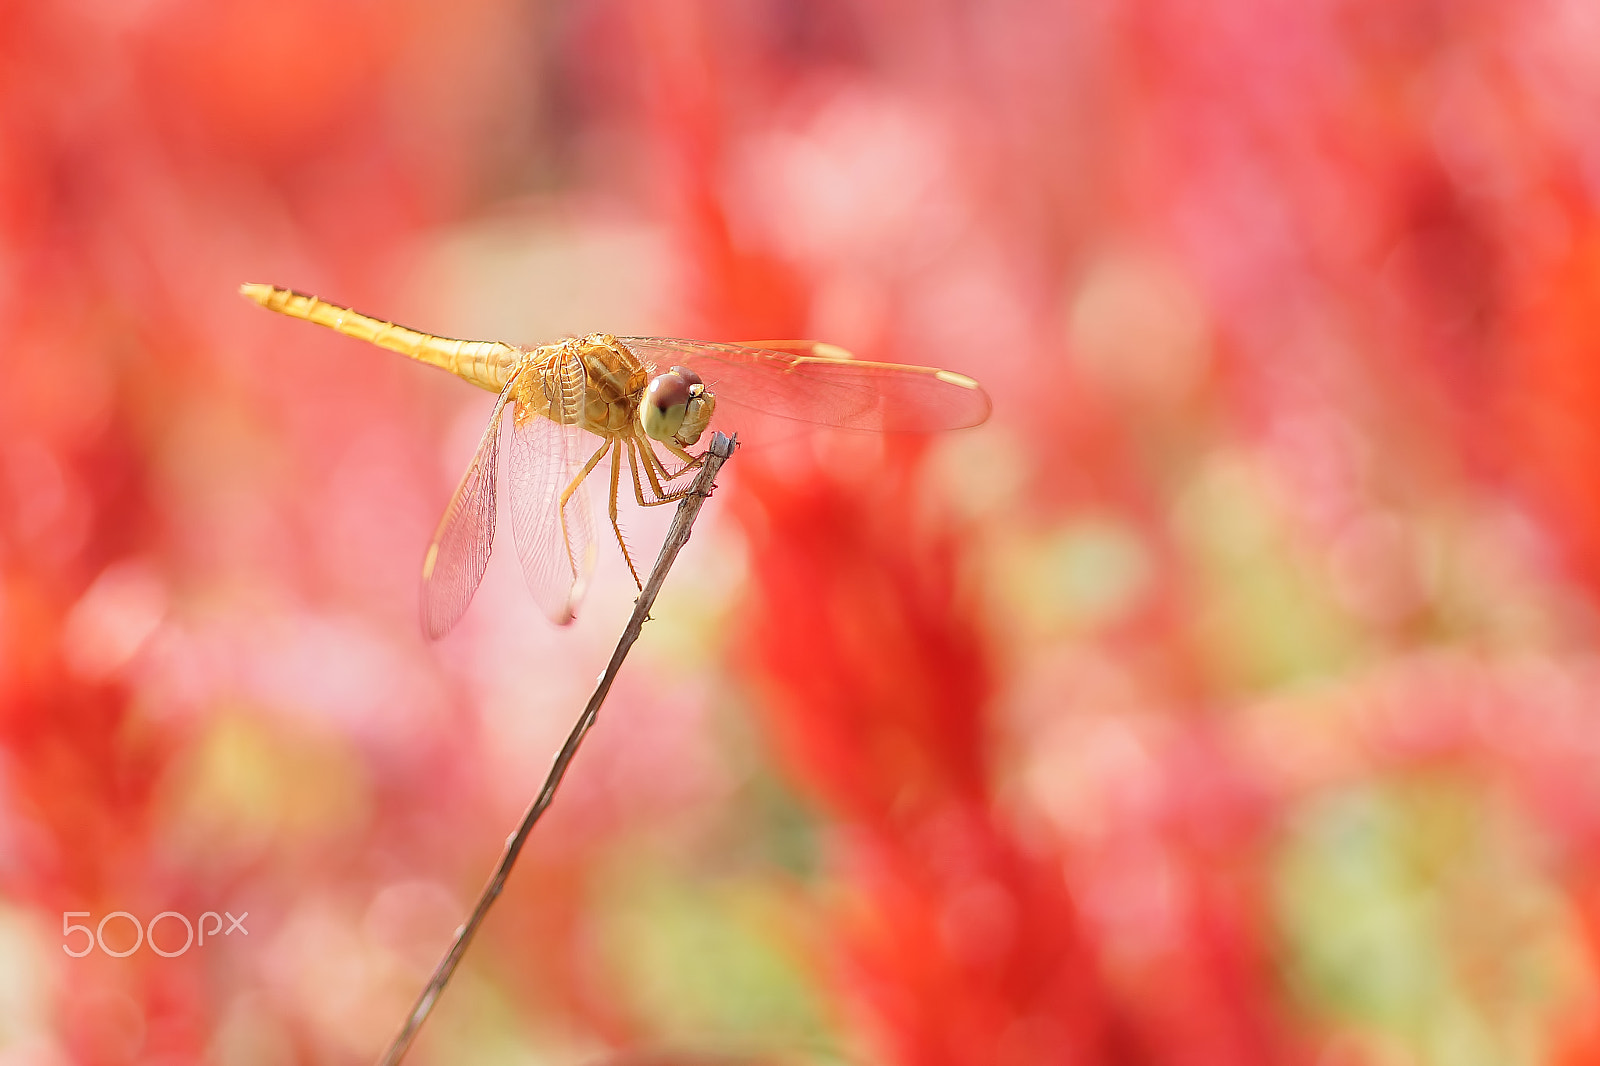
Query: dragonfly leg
x,y
657,495
633,468
691,463
616,526
566,494
651,465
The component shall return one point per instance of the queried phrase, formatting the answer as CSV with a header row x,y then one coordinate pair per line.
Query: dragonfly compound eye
x,y
666,400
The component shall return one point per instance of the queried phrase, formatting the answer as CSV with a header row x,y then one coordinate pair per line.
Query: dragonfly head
x,y
676,407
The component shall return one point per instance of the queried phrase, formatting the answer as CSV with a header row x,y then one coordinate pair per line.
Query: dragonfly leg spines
x,y
616,524
633,469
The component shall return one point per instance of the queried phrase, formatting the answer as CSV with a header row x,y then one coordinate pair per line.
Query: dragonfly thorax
x,y
592,382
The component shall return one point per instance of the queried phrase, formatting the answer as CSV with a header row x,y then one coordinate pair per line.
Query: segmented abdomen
x,y
486,364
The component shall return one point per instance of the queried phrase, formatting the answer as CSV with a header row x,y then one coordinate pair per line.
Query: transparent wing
x,y
555,543
454,565
814,382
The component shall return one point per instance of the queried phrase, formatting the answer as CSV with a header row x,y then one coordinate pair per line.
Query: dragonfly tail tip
x,y
256,291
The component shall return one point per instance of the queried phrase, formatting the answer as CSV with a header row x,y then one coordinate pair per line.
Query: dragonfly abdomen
x,y
486,364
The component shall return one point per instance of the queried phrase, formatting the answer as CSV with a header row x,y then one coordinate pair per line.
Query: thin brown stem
x,y
677,536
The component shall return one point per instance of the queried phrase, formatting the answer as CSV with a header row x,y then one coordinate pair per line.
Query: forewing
x,y
459,554
556,546
810,382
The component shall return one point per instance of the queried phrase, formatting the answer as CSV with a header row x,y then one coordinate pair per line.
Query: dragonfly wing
x,y
459,554
555,544
814,382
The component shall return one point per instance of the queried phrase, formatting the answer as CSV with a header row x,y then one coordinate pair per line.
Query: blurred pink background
x,y
1229,698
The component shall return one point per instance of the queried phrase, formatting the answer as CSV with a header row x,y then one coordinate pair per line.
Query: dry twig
x,y
677,536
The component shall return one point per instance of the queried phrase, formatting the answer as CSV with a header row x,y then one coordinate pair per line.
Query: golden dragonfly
x,y
635,394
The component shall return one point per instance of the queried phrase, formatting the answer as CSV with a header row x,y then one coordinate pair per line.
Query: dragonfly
x,y
637,403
